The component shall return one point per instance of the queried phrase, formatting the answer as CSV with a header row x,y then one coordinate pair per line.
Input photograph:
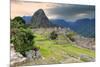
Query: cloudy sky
x,y
68,12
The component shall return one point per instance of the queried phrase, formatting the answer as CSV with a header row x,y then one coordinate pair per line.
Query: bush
x,y
53,35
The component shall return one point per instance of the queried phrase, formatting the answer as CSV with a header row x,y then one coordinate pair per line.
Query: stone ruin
x,y
16,59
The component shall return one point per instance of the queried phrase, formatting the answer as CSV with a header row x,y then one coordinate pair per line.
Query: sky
x,y
69,12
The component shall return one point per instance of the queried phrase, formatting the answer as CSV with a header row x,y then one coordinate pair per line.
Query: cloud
x,y
21,8
69,12
72,12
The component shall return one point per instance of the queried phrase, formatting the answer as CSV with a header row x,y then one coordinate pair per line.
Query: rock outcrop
x,y
16,58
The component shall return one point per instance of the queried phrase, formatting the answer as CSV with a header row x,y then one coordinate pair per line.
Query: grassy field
x,y
54,52
58,51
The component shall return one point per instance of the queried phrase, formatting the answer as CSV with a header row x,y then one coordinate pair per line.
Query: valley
x,y
59,51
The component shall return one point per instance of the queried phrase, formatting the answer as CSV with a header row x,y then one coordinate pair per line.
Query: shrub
x,y
53,35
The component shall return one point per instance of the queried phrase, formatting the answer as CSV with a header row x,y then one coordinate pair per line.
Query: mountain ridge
x,y
84,27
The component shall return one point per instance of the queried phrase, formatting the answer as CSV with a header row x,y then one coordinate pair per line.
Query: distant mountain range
x,y
84,27
27,19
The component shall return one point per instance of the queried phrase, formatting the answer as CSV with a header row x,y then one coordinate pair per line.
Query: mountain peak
x,y
39,19
39,12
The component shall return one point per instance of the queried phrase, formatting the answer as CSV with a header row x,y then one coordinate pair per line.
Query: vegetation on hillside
x,y
52,52
21,37
55,49
53,35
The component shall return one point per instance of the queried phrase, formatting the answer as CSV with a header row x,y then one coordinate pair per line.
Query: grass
x,y
50,49
84,59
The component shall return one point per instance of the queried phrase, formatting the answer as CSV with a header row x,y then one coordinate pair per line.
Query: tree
x,y
17,22
19,19
23,40
53,35
21,36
